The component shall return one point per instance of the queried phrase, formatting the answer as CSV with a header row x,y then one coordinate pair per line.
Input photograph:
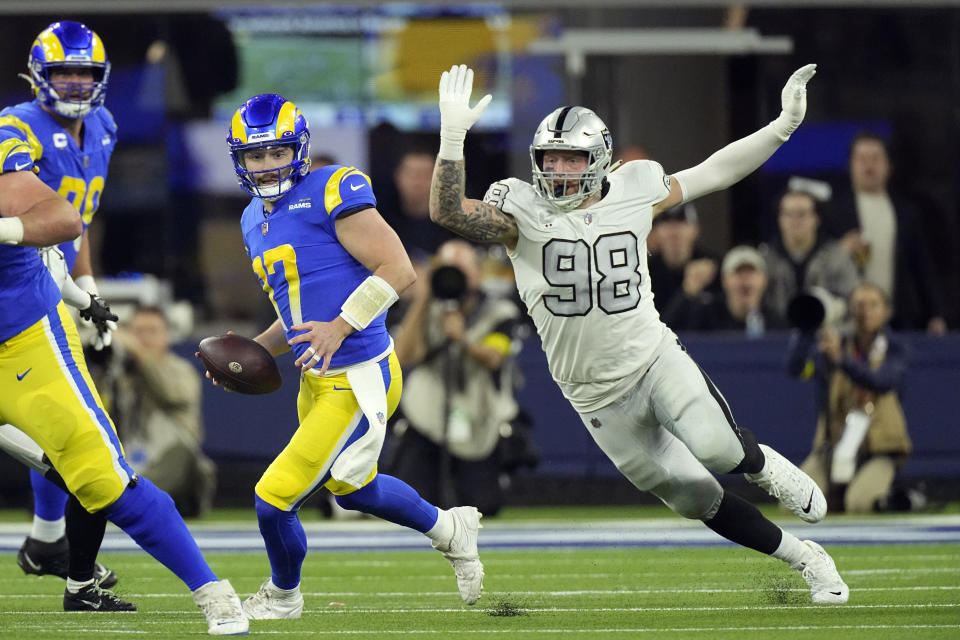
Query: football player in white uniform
x,y
577,240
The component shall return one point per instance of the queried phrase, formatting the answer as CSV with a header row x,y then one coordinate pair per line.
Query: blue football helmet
x,y
269,120
68,44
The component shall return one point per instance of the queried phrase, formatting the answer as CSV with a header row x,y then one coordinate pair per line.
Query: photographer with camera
x,y
155,399
455,344
801,259
861,437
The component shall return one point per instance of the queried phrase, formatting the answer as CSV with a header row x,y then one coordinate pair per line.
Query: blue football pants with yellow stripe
x,y
330,422
48,394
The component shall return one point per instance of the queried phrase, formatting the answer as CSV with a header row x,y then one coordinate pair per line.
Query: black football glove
x,y
104,320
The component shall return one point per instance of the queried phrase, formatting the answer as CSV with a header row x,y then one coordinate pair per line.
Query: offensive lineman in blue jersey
x,y
48,394
66,138
331,266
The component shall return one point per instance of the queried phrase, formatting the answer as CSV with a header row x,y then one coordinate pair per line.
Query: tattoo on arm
x,y
480,222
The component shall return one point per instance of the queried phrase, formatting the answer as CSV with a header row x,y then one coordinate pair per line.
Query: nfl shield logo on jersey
x,y
264,228
587,218
381,417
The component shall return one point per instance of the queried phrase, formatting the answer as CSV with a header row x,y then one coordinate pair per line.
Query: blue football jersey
x,y
27,290
31,140
304,269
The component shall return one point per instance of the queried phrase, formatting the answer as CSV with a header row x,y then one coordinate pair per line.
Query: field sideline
x,y
573,573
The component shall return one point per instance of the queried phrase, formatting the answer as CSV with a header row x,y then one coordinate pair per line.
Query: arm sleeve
x,y
729,165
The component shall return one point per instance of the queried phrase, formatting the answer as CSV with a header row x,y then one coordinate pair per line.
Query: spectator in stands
x,y
155,403
739,308
861,437
455,346
884,234
801,257
681,266
411,217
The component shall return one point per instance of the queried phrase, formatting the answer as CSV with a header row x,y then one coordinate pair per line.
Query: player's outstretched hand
x,y
793,99
456,115
324,339
794,95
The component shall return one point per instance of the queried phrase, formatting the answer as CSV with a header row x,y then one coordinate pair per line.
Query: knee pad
x,y
279,488
697,500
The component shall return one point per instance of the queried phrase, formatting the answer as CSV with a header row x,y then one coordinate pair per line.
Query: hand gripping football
x,y
240,364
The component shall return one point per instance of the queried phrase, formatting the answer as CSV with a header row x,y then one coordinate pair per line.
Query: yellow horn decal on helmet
x,y
237,130
52,48
286,119
99,54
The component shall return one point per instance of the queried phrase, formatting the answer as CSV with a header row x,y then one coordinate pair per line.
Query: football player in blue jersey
x,y
331,266
65,137
48,394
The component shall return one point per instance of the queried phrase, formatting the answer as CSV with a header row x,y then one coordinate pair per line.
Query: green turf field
x,y
719,593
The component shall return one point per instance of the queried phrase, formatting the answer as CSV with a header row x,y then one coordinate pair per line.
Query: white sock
x,y
284,592
74,586
442,531
792,551
48,530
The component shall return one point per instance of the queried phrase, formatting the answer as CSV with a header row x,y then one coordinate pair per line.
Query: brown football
x,y
240,364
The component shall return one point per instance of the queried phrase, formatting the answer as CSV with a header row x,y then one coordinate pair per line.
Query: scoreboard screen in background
x,y
352,67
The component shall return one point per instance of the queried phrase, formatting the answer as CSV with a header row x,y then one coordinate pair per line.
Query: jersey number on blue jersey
x,y
268,265
84,197
567,265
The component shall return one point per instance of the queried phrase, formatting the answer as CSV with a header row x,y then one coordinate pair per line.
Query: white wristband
x,y
450,148
11,230
367,302
87,283
784,125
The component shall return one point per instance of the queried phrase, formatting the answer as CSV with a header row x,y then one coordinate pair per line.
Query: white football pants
x,y
669,432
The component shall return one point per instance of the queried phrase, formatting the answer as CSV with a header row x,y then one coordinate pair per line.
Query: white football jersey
x,y
584,278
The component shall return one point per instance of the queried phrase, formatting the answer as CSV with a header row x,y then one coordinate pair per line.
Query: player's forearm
x,y
273,339
398,272
730,164
446,191
472,219
49,221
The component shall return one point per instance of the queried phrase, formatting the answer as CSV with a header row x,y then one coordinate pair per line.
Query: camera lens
x,y
448,283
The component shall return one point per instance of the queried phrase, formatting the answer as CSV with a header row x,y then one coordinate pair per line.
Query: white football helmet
x,y
571,129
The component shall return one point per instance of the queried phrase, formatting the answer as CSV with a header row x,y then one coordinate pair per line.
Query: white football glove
x,y
456,116
793,99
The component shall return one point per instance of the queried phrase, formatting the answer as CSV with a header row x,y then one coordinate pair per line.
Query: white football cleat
x,y
792,487
820,572
462,552
221,606
270,603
